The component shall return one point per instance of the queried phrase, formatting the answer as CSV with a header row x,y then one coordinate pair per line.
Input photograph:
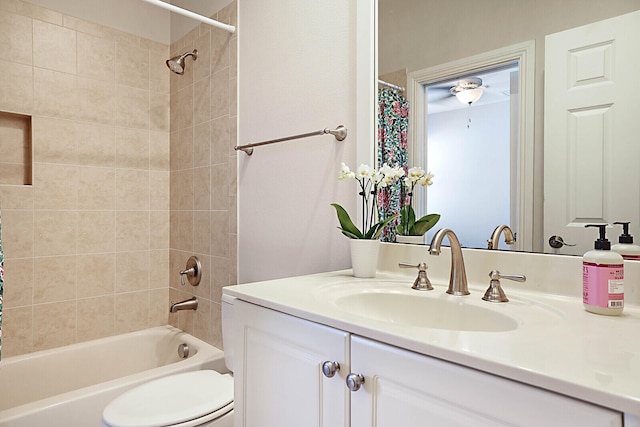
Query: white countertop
x,y
563,349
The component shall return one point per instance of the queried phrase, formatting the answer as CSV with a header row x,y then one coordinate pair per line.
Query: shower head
x,y
176,64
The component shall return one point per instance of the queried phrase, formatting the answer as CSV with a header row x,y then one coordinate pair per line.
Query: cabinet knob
x,y
329,368
354,381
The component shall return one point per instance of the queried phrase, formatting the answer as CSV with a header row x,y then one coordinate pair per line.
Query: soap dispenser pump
x,y
603,277
625,246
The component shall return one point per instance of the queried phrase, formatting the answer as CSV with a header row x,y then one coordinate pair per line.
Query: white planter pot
x,y
416,240
364,257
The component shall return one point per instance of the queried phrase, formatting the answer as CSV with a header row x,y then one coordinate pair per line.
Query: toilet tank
x,y
227,329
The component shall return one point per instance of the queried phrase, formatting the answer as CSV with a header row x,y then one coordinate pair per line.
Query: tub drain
x,y
183,351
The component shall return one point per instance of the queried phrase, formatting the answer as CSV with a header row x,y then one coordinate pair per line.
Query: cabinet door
x,y
406,389
278,371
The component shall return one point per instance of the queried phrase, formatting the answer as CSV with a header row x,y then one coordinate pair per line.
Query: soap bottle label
x,y
603,285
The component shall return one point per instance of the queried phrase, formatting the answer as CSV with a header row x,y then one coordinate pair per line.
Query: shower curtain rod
x,y
192,15
392,86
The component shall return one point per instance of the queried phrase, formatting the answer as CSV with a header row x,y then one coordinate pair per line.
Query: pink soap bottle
x,y
603,277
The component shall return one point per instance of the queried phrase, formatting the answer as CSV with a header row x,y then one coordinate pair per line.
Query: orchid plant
x,y
370,181
408,225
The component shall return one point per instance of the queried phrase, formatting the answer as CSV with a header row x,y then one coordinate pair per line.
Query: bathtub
x,y
70,386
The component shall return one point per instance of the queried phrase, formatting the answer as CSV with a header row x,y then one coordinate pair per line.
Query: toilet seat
x,y
186,399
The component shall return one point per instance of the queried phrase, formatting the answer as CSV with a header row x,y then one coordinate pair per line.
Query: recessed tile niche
x,y
15,149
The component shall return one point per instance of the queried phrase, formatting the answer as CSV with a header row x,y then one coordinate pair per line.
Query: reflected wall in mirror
x,y
416,34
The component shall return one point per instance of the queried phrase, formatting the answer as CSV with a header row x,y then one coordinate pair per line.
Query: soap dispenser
x,y
603,277
625,246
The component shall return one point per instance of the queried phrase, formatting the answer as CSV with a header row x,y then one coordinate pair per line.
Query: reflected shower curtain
x,y
393,121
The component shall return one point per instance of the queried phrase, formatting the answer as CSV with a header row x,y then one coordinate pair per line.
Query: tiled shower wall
x,y
203,173
87,244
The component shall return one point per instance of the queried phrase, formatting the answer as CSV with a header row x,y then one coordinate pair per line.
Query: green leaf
x,y
424,224
346,225
375,231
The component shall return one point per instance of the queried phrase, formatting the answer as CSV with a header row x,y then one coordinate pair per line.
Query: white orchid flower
x,y
345,173
364,171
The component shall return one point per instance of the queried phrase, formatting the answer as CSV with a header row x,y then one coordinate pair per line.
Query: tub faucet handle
x,y
193,271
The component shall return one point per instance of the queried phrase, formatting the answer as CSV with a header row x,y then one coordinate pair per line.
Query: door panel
x,y
591,155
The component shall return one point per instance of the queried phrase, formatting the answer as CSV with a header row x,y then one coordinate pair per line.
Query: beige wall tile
x,y
202,232
202,327
220,140
216,322
54,47
158,71
132,271
12,173
181,230
202,144
220,233
203,290
96,318
202,67
220,187
182,109
159,190
16,38
132,67
220,41
96,188
54,325
233,259
202,188
55,233
159,269
132,107
159,230
132,230
132,190
233,96
159,111
181,189
202,100
132,312
158,307
219,277
54,140
55,279
17,331
96,144
16,87
18,282
96,57
96,232
96,101
54,94
17,233
15,138
132,148
159,151
220,93
181,149
38,12
55,186
96,275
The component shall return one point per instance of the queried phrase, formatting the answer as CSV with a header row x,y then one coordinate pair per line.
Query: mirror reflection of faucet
x,y
494,240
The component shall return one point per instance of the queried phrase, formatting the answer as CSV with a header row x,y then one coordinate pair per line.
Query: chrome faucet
x,y
509,238
188,304
458,277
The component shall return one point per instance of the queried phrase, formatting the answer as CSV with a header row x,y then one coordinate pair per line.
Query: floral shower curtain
x,y
393,121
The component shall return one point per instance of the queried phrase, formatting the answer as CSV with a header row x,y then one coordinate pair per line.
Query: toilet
x,y
189,399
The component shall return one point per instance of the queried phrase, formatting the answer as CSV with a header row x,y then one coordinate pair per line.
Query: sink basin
x,y
419,311
393,302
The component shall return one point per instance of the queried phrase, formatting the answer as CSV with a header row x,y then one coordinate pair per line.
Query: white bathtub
x,y
70,386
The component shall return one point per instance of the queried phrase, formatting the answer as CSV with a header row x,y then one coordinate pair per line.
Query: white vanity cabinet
x,y
279,382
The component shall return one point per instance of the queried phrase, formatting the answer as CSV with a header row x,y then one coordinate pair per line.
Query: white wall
x,y
471,167
297,73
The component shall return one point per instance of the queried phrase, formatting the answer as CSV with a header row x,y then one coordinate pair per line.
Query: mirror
x,y
415,35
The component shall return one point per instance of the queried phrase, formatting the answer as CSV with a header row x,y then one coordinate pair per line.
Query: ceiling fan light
x,y
469,96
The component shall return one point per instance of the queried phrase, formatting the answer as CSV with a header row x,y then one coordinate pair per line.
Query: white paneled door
x,y
591,145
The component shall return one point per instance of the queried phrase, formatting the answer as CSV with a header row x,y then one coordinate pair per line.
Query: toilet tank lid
x,y
171,400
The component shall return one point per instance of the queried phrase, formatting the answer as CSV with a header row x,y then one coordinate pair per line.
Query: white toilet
x,y
189,399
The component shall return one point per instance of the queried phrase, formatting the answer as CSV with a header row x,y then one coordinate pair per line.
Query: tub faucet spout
x,y
458,277
188,304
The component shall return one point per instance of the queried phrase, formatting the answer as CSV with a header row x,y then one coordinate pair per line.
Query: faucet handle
x,y
422,282
495,292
